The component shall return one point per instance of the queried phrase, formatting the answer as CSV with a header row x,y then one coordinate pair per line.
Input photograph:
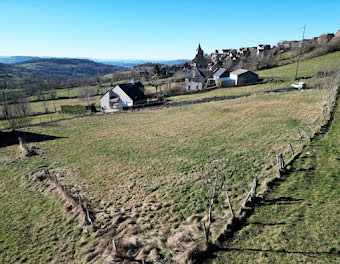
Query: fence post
x,y
229,203
280,162
291,149
300,136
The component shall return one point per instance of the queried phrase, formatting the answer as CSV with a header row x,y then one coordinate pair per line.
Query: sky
x,y
155,30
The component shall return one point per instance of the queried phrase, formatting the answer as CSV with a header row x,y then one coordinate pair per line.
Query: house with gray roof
x,y
243,76
196,79
222,79
125,94
221,73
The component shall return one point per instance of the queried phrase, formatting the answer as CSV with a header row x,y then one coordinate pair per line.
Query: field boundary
x,y
236,223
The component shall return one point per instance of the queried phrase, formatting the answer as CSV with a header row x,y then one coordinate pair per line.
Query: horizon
x,y
157,31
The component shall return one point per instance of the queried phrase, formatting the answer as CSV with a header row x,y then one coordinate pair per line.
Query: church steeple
x,y
199,61
199,50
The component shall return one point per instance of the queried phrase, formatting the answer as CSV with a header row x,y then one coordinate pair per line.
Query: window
x,y
197,87
189,88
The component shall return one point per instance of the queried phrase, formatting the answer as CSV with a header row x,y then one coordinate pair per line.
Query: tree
x,y
17,112
53,94
85,93
45,104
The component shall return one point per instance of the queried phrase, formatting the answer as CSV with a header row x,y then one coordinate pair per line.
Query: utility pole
x,y
298,58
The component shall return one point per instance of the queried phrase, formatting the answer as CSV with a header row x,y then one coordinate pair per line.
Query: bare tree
x,y
45,105
53,94
16,113
85,93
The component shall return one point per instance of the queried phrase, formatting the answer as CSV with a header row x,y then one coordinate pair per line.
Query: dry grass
x,y
155,166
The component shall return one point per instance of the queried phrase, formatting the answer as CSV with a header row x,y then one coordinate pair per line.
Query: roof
x,y
220,72
133,91
207,73
240,71
105,94
195,73
198,73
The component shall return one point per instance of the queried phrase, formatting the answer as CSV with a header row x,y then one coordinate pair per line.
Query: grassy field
x,y
307,68
299,222
39,119
230,91
153,170
34,228
155,166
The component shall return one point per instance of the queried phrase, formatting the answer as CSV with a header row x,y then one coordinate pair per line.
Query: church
x,y
199,61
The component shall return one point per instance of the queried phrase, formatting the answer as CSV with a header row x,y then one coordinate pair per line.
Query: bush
x,y
74,109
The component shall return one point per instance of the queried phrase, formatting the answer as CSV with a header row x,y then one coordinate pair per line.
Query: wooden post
x,y
280,162
304,133
291,149
114,245
313,131
229,203
88,217
300,136
252,192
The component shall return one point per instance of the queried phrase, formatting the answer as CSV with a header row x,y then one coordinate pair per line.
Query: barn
x,y
243,76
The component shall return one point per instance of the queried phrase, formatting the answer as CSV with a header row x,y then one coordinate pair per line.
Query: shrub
x,y
74,109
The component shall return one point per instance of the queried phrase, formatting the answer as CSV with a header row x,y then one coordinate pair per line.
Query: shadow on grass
x,y
11,138
266,224
280,251
281,200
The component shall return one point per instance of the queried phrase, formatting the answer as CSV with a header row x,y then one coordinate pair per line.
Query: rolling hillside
x,y
54,69
145,176
66,68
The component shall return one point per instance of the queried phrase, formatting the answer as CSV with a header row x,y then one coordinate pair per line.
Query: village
x,y
169,132
220,69
199,74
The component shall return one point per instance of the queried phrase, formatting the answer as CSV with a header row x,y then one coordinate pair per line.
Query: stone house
x,y
196,79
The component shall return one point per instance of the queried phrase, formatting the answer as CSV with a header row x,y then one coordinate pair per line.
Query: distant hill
x,y
16,59
121,63
132,63
67,68
55,68
9,72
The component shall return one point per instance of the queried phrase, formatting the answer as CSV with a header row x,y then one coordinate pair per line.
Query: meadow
x,y
155,167
307,68
151,171
299,221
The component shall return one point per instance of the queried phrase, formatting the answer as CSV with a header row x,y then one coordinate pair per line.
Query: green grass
x,y
170,154
307,68
39,119
230,91
306,228
34,227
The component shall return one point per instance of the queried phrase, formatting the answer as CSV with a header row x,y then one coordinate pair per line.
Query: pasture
x,y
156,167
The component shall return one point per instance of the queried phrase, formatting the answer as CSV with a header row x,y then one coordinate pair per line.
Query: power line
x,y
298,58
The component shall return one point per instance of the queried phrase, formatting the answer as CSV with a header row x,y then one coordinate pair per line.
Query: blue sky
x,y
132,29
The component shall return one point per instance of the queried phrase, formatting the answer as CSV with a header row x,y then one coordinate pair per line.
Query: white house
x,y
126,94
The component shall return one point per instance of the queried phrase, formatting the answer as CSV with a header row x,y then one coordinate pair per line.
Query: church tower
x,y
199,50
199,61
